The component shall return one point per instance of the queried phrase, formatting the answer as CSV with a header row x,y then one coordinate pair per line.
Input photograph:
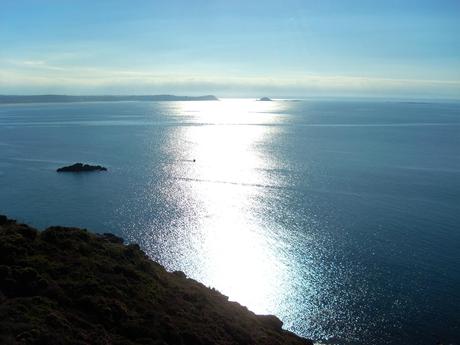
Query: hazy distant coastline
x,y
13,99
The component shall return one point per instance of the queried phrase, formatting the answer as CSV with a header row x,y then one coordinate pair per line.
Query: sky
x,y
231,48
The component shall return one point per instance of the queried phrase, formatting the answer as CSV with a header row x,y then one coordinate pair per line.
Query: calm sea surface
x,y
342,218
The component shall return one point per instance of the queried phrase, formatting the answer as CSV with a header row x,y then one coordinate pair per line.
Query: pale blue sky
x,y
231,48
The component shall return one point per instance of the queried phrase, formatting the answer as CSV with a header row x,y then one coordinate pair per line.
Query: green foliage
x,y
69,286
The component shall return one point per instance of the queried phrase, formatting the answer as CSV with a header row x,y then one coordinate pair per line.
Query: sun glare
x,y
224,136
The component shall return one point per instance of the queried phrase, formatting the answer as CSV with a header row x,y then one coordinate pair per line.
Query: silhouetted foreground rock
x,y
69,286
79,167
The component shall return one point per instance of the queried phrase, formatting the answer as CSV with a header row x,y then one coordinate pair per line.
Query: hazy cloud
x,y
90,80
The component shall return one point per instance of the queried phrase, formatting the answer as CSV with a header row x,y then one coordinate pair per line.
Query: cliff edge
x,y
70,286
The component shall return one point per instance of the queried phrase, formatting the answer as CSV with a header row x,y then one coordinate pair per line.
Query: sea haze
x,y
340,217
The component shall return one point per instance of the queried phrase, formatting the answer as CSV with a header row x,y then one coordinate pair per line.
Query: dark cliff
x,y
69,286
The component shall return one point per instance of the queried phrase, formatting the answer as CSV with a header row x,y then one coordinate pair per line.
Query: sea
x,y
340,216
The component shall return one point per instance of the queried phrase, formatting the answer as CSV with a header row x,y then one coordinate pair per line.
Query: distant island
x,y
70,286
12,99
80,167
265,99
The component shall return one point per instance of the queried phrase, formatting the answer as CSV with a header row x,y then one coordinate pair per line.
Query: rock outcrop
x,y
80,167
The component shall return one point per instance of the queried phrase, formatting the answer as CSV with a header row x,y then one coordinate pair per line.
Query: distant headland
x,y
265,99
14,99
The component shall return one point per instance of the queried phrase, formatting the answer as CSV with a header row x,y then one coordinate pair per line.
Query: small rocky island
x,y
69,286
80,167
265,99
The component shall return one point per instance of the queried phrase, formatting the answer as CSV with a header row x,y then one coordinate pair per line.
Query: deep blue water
x,y
340,217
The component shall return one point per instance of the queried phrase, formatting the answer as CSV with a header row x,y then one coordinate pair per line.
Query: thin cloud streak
x,y
37,76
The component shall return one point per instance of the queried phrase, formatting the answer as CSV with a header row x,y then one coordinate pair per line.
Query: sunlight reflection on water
x,y
227,207
229,225
234,241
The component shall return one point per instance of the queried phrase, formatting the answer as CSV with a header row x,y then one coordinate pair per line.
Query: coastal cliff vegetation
x,y
70,286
